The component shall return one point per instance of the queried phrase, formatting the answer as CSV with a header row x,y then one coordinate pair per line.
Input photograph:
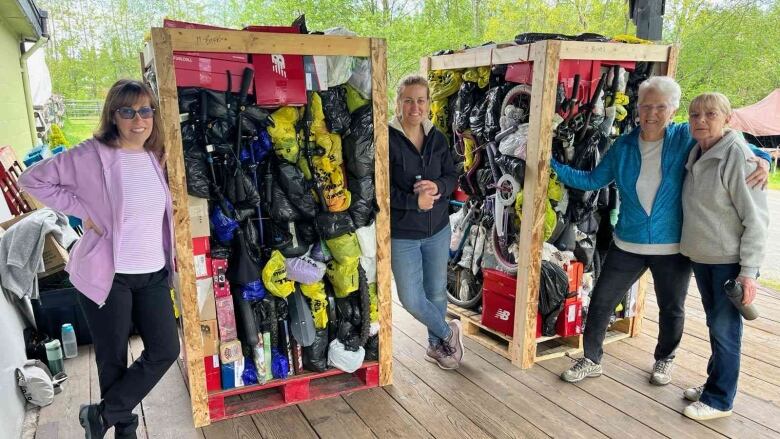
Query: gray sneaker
x,y
700,411
662,372
432,353
583,368
441,355
694,393
455,342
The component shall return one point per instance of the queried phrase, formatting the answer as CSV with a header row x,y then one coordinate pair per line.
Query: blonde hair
x,y
711,101
408,81
663,85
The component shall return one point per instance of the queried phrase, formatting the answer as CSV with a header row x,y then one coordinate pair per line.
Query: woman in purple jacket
x,y
122,265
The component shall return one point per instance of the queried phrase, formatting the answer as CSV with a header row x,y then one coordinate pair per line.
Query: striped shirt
x,y
140,243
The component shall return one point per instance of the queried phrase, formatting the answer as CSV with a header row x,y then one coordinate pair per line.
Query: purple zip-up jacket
x,y
86,182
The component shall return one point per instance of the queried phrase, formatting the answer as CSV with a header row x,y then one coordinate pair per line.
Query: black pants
x,y
671,276
143,300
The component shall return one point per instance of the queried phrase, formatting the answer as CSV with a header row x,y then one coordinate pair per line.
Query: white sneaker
x,y
694,393
662,372
700,411
583,368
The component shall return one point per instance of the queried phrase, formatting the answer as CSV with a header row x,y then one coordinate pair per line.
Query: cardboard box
x,y
202,264
54,255
206,304
201,246
199,217
210,336
226,318
240,57
231,374
570,319
230,351
221,284
279,79
213,373
194,71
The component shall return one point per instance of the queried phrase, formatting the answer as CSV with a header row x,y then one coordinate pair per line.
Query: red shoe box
x,y
226,319
202,266
239,57
213,373
498,301
194,71
574,271
201,246
221,284
570,319
279,79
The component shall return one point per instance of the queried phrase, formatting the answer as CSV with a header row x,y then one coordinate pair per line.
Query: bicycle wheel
x,y
463,288
504,257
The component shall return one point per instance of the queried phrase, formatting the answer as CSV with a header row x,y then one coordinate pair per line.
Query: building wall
x,y
14,127
12,404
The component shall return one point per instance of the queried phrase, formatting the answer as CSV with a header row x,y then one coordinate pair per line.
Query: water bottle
x,y
735,293
54,357
69,341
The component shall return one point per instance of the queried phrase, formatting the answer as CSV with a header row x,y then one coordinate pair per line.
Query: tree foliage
x,y
725,46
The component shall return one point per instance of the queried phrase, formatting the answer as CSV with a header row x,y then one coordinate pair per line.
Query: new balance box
x,y
56,307
221,284
570,319
210,336
201,246
206,305
199,216
213,373
239,57
574,272
226,318
194,71
498,301
279,79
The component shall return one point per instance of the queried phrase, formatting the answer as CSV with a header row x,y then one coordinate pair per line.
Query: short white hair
x,y
664,86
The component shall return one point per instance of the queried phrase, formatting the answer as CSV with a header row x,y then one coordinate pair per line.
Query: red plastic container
x,y
279,78
238,57
498,301
460,195
570,319
194,71
201,246
574,271
213,373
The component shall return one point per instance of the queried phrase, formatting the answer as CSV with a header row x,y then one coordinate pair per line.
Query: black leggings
x,y
143,300
671,276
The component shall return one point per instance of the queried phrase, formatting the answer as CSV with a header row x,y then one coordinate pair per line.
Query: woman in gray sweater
x,y
724,232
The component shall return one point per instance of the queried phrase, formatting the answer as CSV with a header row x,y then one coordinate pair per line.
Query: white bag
x,y
339,67
367,239
37,384
361,77
340,358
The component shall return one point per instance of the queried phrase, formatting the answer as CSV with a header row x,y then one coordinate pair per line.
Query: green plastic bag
x,y
343,276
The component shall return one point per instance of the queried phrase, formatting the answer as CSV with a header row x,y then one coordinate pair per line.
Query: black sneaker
x,y
91,418
126,430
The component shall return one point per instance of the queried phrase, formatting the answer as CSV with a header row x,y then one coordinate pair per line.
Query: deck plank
x,y
60,418
332,417
281,423
384,416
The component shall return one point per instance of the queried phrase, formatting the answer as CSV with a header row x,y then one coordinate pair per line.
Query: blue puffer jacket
x,y
621,164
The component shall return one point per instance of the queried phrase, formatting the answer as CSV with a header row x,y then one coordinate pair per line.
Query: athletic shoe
x,y
583,368
700,411
91,418
662,372
694,393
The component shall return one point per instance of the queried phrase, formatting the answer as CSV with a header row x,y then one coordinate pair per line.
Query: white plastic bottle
x,y
69,341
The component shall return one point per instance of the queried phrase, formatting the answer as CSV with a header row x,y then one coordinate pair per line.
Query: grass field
x,y
79,130
774,180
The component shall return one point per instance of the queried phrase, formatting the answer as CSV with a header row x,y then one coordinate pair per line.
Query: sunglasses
x,y
129,113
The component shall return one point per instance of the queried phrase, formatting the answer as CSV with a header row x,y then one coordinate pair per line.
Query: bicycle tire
x,y
455,276
502,255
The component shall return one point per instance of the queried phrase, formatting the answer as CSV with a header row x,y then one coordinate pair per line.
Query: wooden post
x,y
671,62
382,184
545,55
425,66
171,131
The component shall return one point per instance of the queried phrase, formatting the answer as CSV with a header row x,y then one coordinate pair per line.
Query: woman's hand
x,y
88,224
748,289
425,200
426,186
759,177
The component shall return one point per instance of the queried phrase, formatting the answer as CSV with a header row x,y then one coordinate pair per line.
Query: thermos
x,y
69,344
735,293
54,357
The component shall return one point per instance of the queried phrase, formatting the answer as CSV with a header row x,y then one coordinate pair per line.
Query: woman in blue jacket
x,y
648,167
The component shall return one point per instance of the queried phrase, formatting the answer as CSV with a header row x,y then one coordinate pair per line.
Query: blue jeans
x,y
725,325
423,263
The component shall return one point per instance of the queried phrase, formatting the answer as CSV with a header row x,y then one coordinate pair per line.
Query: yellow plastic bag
x,y
444,83
337,197
468,153
275,276
373,300
554,188
344,248
354,99
440,114
550,219
343,276
319,302
480,75
283,134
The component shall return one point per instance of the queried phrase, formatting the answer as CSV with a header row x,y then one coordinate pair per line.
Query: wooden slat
x,y
171,130
470,58
545,56
384,416
613,51
512,54
671,63
60,419
235,41
641,294
332,418
286,422
382,184
425,66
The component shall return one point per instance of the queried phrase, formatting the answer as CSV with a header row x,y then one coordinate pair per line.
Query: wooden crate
x,y
546,57
158,57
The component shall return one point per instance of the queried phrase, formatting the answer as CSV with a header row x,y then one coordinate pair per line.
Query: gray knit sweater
x,y
724,221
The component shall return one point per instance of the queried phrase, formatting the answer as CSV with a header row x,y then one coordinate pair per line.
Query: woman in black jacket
x,y
422,178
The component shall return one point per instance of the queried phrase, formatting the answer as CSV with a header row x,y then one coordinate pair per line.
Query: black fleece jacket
x,y
434,163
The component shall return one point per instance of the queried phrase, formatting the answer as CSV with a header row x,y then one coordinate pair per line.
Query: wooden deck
x,y
487,397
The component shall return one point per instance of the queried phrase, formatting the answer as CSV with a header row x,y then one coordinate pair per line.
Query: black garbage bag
x,y
372,348
495,97
292,182
354,324
513,166
477,121
282,209
363,207
219,250
485,181
294,243
467,98
554,286
532,37
334,105
243,267
240,190
278,236
334,224
583,251
358,143
315,357
586,157
195,165
245,318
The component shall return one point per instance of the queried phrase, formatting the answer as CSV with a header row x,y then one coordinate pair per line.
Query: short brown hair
x,y
125,93
711,101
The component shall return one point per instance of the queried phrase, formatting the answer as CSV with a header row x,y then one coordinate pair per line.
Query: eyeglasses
x,y
646,108
129,113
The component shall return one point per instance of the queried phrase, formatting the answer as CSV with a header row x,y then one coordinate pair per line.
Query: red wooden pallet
x,y
247,400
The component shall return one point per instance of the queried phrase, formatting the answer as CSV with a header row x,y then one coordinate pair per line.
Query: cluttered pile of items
x,y
485,113
279,159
